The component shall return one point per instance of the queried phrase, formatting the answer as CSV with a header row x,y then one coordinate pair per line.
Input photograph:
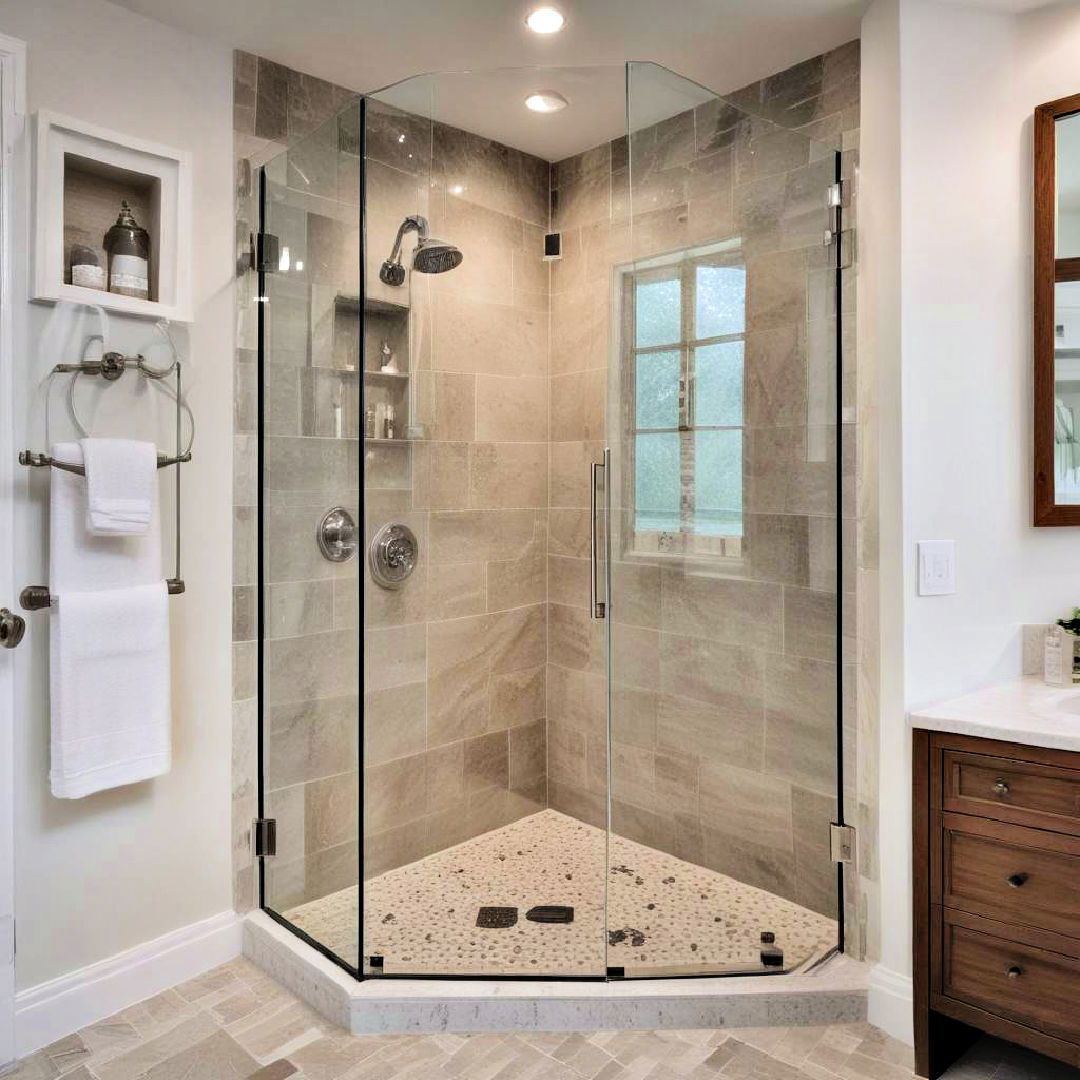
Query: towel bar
x,y
40,461
111,367
38,597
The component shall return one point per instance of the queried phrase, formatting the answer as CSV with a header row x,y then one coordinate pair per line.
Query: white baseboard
x,y
889,1004
47,1012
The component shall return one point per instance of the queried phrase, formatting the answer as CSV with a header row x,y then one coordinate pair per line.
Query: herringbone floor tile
x,y
235,1023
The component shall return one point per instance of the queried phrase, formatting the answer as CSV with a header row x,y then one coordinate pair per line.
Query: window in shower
x,y
685,326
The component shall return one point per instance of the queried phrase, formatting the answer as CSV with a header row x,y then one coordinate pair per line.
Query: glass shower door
x,y
309,481
722,424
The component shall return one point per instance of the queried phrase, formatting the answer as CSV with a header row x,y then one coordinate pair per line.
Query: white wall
x,y
102,874
969,82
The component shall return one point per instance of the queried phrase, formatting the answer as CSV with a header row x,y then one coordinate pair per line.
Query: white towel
x,y
110,689
121,477
109,640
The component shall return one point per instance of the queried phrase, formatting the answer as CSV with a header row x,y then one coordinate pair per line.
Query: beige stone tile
x,y
515,582
440,475
734,731
636,594
455,590
800,721
395,722
747,805
722,609
527,754
568,581
579,329
394,607
445,767
577,405
394,792
447,402
311,739
570,472
518,639
511,409
487,762
473,335
508,475
518,697
459,672
295,608
728,676
137,1062
394,656
578,699
575,640
568,533
217,1057
481,535
635,656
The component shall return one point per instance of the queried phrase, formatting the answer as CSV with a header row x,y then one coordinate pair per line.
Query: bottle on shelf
x,y
128,247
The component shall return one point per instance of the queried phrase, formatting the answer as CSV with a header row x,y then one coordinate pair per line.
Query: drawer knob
x,y
1015,972
1016,880
1001,787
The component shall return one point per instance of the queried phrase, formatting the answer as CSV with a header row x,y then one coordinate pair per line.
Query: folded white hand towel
x,y
109,636
110,689
121,478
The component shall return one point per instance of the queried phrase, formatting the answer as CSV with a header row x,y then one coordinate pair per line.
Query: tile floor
x,y
664,912
235,1023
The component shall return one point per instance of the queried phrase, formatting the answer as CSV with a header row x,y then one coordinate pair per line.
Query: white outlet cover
x,y
937,567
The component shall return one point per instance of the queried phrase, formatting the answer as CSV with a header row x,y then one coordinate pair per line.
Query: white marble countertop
x,y
1023,711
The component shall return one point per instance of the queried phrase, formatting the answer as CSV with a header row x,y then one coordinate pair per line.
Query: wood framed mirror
x,y
1057,312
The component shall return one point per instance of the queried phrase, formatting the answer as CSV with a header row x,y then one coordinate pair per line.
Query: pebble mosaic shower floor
x,y
665,913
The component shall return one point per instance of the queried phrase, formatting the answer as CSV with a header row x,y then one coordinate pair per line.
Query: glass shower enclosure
x,y
550,531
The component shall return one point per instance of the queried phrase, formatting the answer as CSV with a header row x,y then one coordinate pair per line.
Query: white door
x,y
12,56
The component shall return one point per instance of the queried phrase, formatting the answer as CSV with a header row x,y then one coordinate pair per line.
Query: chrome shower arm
x,y
413,223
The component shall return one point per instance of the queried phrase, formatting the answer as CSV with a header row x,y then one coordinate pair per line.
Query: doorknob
x,y
12,628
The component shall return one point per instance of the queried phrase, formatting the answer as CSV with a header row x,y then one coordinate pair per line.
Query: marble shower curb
x,y
836,992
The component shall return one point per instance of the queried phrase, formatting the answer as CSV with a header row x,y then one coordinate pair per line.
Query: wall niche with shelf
x,y
84,174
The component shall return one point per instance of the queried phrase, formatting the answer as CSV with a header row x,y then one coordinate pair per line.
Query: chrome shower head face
x,y
430,257
436,256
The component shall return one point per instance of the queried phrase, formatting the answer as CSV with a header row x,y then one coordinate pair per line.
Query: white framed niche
x,y
81,173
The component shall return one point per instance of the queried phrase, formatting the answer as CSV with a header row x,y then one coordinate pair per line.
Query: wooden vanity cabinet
x,y
997,897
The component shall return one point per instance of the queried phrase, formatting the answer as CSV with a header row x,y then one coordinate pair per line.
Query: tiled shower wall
x,y
274,109
454,715
497,491
724,679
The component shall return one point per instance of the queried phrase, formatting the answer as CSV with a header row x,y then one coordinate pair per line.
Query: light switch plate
x,y
937,567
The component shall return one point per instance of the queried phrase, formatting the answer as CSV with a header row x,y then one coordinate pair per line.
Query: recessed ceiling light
x,y
546,101
457,189
545,20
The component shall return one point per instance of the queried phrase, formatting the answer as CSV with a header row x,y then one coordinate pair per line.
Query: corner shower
x,y
574,707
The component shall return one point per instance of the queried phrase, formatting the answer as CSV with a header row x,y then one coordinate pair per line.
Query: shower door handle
x,y
597,607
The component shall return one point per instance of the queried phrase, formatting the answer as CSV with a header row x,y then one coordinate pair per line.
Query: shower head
x,y
436,256
430,257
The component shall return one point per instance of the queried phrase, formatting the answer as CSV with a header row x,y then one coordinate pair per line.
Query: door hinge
x,y
264,837
841,240
265,253
842,843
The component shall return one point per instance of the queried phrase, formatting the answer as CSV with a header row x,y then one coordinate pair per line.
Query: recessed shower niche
x,y
608,688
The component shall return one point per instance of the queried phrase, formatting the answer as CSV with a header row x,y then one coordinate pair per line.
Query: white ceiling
x,y
367,44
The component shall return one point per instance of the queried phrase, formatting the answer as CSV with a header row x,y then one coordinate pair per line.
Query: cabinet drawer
x,y
1025,792
1010,873
1029,986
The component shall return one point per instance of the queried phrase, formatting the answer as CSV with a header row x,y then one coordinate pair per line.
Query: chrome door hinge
x,y
836,236
264,837
842,843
